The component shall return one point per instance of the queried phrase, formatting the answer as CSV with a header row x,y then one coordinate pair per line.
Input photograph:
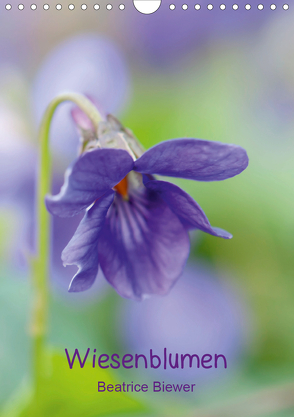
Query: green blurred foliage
x,y
14,323
73,393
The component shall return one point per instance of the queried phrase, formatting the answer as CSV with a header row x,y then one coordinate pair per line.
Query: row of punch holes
x,y
122,7
59,7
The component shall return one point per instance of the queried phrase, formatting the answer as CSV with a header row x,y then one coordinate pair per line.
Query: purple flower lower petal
x,y
188,211
92,175
143,246
193,159
82,250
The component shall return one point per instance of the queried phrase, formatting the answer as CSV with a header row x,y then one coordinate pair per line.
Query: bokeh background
x,y
219,75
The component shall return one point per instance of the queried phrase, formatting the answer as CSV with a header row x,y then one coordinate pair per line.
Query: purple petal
x,y
188,211
143,246
92,175
193,159
82,250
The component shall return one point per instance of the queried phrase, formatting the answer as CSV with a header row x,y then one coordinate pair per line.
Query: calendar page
x,y
146,208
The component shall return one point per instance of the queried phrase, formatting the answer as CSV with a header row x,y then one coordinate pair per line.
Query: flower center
x,y
122,188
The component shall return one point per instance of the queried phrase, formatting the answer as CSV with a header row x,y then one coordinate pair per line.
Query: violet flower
x,y
135,226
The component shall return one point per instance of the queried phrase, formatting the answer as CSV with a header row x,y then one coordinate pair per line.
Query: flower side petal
x,y
91,176
143,247
193,159
82,250
183,205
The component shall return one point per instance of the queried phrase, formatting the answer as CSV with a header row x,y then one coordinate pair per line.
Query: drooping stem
x,y
40,265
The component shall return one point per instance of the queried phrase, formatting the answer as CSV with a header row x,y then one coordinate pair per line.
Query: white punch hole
x,y
260,6
84,7
147,6
247,6
172,7
222,6
33,7
20,7
286,6
58,7
185,6
210,6
273,7
121,7
71,6
8,7
46,7
197,7
96,7
235,7
109,6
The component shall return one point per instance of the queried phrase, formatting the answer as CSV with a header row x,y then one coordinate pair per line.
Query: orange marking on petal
x,y
122,188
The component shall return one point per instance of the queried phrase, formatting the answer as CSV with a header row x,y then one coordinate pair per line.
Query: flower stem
x,y
40,265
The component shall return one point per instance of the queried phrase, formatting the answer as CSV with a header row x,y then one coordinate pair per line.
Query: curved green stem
x,y
41,262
